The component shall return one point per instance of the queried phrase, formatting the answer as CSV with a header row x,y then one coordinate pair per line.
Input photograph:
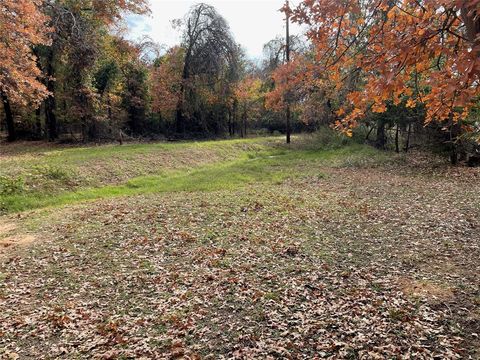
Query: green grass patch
x,y
228,175
255,164
56,169
10,185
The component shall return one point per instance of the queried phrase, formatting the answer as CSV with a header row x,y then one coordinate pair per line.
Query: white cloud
x,y
253,23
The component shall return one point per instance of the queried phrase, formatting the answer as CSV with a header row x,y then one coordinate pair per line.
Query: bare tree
x,y
209,47
275,51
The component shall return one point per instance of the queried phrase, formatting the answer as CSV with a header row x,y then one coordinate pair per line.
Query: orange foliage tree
x,y
22,26
308,94
289,79
248,93
423,51
166,79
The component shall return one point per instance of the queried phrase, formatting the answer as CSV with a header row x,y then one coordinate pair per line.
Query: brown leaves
x,y
311,269
22,26
184,236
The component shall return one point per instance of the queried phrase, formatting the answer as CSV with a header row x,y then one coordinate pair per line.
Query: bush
x,y
325,138
53,172
11,185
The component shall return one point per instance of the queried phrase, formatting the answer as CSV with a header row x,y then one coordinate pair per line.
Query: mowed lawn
x,y
237,249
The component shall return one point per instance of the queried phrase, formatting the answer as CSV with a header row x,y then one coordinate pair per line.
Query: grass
x,y
79,156
43,168
248,249
265,162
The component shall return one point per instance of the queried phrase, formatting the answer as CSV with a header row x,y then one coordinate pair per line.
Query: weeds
x,y
11,185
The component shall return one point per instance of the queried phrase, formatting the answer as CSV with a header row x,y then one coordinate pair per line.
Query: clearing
x,y
237,249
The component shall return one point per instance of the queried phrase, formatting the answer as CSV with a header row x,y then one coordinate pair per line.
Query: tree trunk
x,y
92,129
407,143
179,119
397,148
453,155
381,138
287,51
455,131
120,136
288,124
245,125
11,134
367,138
109,108
50,102
234,120
84,131
230,122
38,122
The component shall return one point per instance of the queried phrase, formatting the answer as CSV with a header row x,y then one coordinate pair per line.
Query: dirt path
x,y
12,238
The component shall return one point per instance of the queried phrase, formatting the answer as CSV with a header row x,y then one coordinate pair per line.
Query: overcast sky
x,y
253,23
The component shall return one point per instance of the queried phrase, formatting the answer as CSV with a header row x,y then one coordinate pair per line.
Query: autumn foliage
x,y
22,25
420,52
67,67
248,91
166,79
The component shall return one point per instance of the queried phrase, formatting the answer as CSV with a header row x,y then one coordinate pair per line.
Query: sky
x,y
253,23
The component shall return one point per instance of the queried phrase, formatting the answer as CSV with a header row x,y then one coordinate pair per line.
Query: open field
x,y
237,249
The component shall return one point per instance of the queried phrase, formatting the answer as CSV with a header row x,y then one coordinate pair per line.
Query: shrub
x,y
324,138
53,172
11,185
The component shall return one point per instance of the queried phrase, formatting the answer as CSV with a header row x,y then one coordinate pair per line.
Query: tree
x,y
274,51
166,79
248,93
209,46
422,52
135,96
22,26
79,28
293,81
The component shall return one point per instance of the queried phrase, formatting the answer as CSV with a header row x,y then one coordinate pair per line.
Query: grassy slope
x,y
283,252
56,175
60,177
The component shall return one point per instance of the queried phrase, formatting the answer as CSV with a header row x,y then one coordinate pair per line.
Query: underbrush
x,y
38,178
324,138
10,185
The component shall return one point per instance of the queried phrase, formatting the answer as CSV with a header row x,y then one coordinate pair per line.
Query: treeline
x,y
86,81
375,71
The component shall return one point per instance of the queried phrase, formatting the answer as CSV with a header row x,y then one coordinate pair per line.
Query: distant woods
x,y
86,82
388,73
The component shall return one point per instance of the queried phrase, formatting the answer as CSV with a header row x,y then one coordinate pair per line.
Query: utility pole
x,y
287,49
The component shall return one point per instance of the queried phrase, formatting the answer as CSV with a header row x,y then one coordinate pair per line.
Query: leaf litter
x,y
310,268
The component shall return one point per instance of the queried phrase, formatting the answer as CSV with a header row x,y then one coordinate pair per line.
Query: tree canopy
x,y
415,51
22,26
412,67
